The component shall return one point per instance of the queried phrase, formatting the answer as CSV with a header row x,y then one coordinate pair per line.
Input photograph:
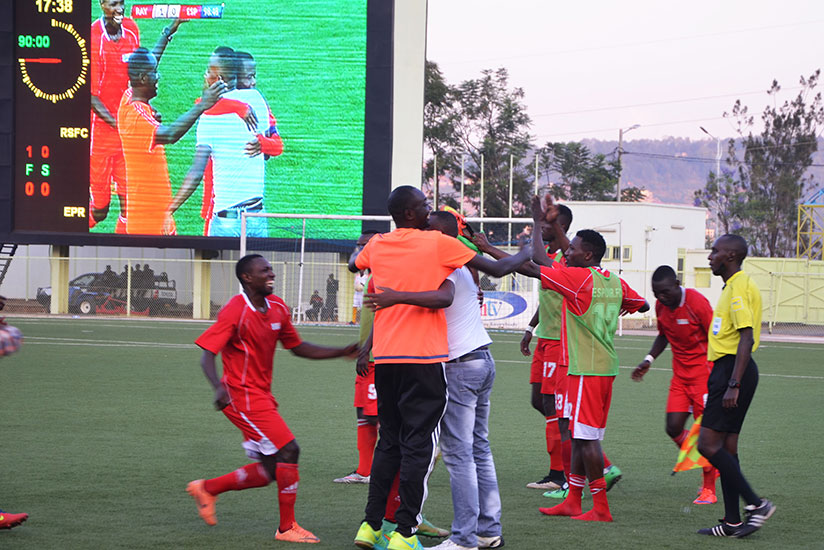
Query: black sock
x,y
733,484
557,476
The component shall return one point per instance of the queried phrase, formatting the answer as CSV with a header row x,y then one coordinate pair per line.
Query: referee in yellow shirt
x,y
733,336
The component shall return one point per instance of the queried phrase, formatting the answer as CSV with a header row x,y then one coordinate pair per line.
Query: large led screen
x,y
169,120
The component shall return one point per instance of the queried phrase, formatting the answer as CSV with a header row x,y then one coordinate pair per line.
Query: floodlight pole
x,y
509,234
462,183
717,177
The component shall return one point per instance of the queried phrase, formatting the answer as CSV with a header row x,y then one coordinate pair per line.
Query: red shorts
x,y
551,362
365,394
264,430
106,165
536,369
561,392
589,397
687,396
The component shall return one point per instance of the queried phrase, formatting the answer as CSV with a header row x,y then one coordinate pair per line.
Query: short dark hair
x,y
564,213
244,56
594,242
663,272
370,232
243,265
737,243
449,220
139,64
399,200
227,60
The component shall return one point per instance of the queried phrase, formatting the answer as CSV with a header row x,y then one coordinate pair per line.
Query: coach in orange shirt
x,y
149,191
409,347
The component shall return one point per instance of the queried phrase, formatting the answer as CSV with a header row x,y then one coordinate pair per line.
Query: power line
x,y
703,160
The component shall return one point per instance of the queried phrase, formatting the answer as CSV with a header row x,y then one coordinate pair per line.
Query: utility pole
x,y
717,178
620,154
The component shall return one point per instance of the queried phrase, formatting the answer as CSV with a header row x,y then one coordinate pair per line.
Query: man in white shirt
x,y
224,137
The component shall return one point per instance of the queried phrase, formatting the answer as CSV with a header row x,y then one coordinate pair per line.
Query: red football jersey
x,y
575,285
246,340
109,65
687,328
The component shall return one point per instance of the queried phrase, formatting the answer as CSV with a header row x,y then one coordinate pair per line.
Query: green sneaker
x,y
399,542
383,540
427,529
612,476
560,493
366,537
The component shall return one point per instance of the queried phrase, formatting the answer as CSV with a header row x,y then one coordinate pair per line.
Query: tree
x,y
583,176
759,198
483,123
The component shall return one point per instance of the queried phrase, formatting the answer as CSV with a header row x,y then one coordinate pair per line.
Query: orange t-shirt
x,y
411,260
149,190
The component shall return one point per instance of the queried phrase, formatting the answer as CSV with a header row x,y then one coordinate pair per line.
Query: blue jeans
x,y
230,227
466,453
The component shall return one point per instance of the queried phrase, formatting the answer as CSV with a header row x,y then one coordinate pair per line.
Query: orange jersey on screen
x,y
411,260
149,191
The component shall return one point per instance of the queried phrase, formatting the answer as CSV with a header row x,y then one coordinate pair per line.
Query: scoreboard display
x,y
113,139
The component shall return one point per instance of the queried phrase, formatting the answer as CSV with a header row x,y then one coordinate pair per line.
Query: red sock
x,y
393,501
287,477
566,455
367,437
600,510
251,475
571,506
681,438
553,443
710,474
607,463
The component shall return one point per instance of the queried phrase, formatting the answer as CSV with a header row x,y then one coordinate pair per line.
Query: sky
x,y
593,67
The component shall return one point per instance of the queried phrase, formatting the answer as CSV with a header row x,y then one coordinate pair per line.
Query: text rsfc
x,y
71,133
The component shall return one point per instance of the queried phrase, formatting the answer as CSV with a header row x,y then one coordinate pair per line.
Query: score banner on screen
x,y
175,11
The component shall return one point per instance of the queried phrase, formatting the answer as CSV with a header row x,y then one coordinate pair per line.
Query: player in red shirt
x,y
246,332
684,319
113,38
593,300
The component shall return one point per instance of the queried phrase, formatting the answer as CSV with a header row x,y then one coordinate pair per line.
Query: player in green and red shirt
x,y
593,300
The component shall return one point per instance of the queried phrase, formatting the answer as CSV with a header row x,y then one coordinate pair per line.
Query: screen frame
x,y
377,163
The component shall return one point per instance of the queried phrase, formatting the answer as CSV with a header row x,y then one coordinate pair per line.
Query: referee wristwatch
x,y
733,383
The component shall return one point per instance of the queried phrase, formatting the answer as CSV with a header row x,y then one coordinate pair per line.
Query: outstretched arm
x,y
193,177
499,268
165,38
170,134
528,268
314,351
433,299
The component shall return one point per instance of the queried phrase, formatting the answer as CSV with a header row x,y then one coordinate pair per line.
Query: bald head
x,y
735,244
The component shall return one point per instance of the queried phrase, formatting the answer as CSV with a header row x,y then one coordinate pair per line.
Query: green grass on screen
x,y
311,69
105,421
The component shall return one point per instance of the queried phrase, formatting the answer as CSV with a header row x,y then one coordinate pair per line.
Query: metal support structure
x,y
435,183
201,286
809,241
59,259
6,254
509,232
482,194
463,181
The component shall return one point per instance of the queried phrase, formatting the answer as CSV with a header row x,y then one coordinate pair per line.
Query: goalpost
x,y
307,247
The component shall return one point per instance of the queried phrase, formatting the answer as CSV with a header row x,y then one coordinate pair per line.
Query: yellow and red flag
x,y
688,457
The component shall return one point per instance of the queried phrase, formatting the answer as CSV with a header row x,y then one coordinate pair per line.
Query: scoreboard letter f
x,y
29,168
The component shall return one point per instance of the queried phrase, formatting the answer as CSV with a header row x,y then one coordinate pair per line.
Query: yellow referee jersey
x,y
738,307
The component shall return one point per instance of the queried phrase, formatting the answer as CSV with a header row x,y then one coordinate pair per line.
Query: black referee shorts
x,y
716,417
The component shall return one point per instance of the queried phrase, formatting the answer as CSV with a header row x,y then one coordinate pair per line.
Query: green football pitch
x,y
104,422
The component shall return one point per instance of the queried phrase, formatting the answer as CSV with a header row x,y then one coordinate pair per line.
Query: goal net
x,y
310,252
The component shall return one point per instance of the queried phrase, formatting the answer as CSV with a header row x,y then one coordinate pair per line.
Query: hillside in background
x,y
673,168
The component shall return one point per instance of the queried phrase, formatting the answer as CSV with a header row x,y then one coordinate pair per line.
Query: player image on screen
x,y
149,191
232,145
269,143
113,38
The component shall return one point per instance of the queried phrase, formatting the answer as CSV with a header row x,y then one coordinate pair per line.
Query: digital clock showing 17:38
x,y
54,6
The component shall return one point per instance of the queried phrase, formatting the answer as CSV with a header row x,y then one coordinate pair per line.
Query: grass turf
x,y
105,421
311,68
